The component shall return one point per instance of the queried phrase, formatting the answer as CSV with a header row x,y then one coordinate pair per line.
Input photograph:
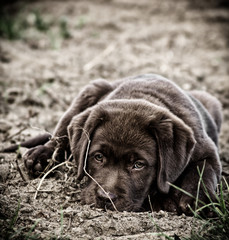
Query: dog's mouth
x,y
120,205
114,201
106,204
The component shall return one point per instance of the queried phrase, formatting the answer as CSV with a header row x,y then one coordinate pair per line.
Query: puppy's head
x,y
136,148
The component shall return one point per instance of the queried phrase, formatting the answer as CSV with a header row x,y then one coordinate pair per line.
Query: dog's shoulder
x,y
154,89
210,112
166,94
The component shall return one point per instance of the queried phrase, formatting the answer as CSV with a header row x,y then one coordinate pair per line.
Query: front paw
x,y
36,159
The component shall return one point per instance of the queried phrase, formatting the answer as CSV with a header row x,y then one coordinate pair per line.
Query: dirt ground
x,y
42,72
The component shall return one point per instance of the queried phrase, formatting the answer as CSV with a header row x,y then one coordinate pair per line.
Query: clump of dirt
x,y
43,71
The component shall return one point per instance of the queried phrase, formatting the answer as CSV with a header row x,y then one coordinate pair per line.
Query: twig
x,y
69,223
53,159
18,167
150,204
48,191
50,162
99,58
20,171
15,134
40,129
84,168
54,98
27,125
46,174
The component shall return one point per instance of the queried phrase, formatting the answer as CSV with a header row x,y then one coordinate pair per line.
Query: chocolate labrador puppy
x,y
134,137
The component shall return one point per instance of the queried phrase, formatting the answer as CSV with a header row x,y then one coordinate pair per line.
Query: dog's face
x,y
132,152
122,159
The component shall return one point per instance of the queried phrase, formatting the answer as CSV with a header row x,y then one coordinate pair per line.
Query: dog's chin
x,y
120,204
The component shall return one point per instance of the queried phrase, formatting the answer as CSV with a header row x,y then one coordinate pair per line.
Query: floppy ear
x,y
80,129
175,142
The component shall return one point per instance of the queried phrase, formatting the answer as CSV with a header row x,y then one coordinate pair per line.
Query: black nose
x,y
107,195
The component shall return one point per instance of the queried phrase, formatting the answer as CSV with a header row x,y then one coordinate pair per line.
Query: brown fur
x,y
145,133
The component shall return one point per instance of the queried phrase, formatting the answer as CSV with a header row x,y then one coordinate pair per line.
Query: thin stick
x,y
40,129
18,166
52,160
54,98
84,168
150,204
20,171
46,174
198,186
15,134
99,58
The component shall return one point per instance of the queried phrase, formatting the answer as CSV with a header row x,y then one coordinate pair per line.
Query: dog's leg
x,y
32,142
36,158
212,105
208,182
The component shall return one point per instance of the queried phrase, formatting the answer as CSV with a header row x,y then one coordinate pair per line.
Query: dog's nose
x,y
107,195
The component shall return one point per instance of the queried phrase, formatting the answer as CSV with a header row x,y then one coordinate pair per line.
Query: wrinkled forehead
x,y
123,131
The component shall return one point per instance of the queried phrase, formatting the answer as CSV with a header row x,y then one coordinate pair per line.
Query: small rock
x,y
32,101
5,126
4,171
12,94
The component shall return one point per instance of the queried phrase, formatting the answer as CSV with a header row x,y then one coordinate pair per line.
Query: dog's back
x,y
210,111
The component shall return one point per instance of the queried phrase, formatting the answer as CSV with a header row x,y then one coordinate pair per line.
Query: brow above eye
x,y
99,148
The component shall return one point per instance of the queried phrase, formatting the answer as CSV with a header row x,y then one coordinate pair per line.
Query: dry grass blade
x,y
84,168
150,204
47,173
15,134
20,171
99,58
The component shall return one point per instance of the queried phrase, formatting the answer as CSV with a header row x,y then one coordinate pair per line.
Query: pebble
x,y
4,171
5,125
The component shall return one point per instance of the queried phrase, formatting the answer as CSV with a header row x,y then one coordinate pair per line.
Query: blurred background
x,y
50,49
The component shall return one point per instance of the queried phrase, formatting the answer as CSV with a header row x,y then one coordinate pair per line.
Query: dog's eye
x,y
98,157
138,165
